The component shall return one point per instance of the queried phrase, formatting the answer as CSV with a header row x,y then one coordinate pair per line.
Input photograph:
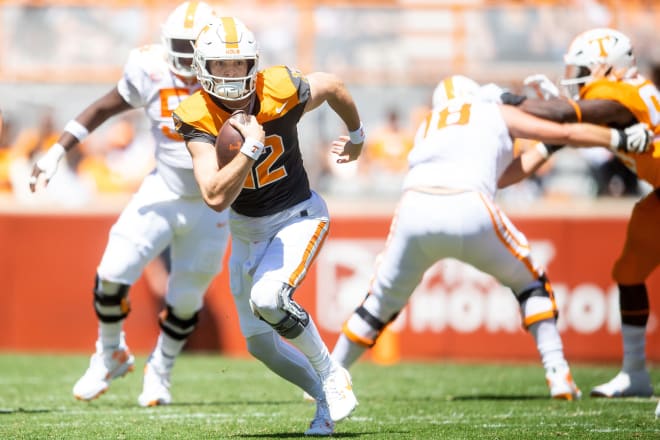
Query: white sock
x,y
312,346
166,351
346,352
110,334
634,347
548,343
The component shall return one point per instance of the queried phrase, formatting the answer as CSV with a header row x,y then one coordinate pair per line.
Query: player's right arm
x,y
595,111
219,186
524,125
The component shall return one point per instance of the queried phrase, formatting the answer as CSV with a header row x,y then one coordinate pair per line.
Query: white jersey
x,y
149,83
464,146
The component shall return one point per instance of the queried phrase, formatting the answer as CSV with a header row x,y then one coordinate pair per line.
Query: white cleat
x,y
338,391
322,424
657,411
308,397
626,384
561,384
156,387
104,367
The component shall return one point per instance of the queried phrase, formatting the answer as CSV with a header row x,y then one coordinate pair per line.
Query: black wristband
x,y
512,99
552,148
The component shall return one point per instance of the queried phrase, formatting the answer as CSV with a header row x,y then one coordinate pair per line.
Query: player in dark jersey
x,y
277,222
607,89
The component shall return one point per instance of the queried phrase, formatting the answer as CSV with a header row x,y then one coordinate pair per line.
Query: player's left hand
x,y
633,139
539,86
346,150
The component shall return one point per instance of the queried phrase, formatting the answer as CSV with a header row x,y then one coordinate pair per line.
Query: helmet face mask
x,y
597,53
226,39
179,32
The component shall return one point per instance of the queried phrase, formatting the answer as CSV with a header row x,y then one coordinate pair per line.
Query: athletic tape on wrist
x,y
76,129
616,139
357,136
252,148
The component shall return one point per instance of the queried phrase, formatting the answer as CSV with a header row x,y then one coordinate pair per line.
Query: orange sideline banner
x,y
48,264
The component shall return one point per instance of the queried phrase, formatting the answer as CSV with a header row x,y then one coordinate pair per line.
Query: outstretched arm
x,y
326,87
524,125
635,138
75,131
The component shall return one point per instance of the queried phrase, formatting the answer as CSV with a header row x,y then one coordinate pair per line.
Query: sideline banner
x,y
48,263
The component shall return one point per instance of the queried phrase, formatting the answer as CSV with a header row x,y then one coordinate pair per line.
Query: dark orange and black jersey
x,y
278,179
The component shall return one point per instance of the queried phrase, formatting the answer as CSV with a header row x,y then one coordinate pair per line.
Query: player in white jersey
x,y
167,210
447,210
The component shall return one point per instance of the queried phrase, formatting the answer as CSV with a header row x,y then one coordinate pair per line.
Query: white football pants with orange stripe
x,y
466,226
270,256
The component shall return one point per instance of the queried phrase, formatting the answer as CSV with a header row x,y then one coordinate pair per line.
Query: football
x,y
229,140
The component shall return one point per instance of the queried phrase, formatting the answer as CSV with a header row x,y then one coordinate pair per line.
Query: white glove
x,y
634,139
490,92
539,86
47,164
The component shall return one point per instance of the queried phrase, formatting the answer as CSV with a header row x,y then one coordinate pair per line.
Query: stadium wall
x,y
48,261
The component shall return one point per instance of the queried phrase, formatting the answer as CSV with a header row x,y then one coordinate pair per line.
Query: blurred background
x,y
56,57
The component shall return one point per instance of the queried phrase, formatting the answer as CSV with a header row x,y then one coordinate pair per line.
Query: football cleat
x,y
338,390
657,411
561,384
156,386
322,424
104,367
626,384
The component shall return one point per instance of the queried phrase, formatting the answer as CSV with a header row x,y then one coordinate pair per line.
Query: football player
x,y
167,210
606,88
277,222
447,210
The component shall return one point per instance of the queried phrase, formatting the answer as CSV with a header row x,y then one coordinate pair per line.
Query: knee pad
x,y
363,327
634,304
294,319
537,302
176,327
111,300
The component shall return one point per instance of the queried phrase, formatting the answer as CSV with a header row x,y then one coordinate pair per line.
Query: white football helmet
x,y
226,39
454,87
600,47
179,32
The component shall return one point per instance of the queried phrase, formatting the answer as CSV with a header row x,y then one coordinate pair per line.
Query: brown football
x,y
229,140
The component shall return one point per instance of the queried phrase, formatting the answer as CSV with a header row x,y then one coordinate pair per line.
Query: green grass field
x,y
222,398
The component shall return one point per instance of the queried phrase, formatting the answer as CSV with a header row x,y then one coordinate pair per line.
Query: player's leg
x,y
262,341
400,268
197,251
640,256
503,251
286,259
137,237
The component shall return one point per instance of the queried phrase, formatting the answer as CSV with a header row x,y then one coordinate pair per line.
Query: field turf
x,y
217,397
